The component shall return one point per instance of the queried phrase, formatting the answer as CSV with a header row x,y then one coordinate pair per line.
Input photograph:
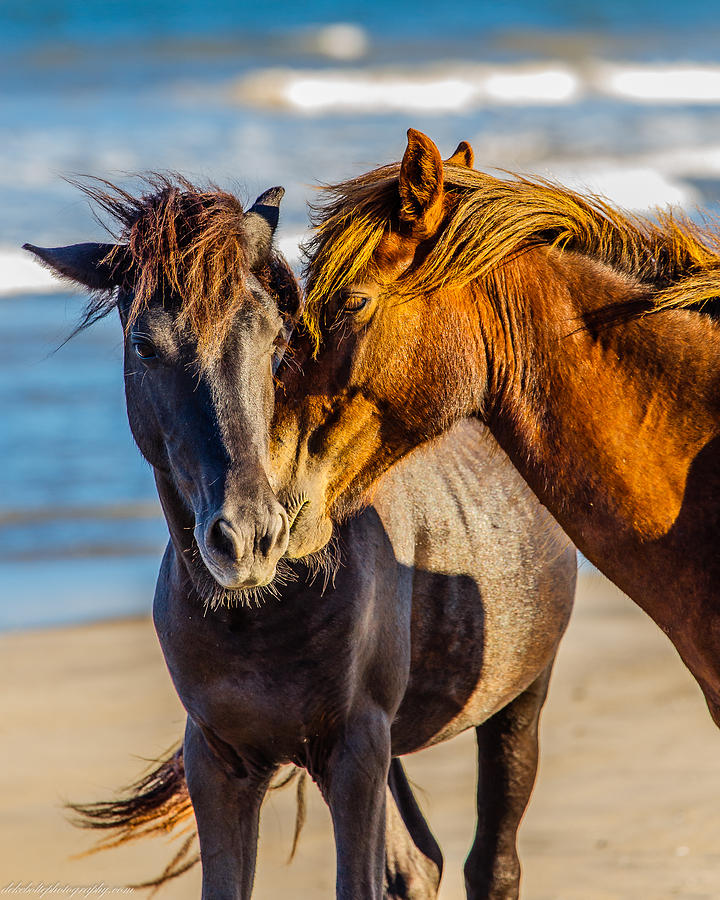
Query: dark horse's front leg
x,y
353,782
507,763
226,798
413,859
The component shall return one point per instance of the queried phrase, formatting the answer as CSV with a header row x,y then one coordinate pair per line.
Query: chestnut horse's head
x,y
384,366
433,293
204,302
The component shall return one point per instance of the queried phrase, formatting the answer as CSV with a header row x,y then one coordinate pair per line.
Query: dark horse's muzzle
x,y
241,548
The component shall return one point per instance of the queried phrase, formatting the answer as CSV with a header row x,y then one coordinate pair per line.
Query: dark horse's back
x,y
492,579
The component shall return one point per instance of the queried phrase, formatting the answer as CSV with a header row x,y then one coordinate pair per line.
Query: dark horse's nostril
x,y
276,530
222,538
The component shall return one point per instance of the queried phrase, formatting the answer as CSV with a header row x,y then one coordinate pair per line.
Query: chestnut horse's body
x,y
588,342
445,612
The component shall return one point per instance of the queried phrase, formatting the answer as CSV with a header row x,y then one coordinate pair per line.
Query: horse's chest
x,y
251,693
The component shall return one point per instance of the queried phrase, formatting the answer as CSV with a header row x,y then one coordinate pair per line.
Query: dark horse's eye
x,y
355,302
144,349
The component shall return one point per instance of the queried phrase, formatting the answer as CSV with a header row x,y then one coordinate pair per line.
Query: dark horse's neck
x,y
617,430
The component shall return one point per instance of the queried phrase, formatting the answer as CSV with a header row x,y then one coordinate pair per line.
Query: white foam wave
x,y
21,274
553,85
670,84
453,87
443,88
321,93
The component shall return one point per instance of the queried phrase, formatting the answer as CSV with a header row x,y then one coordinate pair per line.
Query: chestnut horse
x,y
586,340
445,613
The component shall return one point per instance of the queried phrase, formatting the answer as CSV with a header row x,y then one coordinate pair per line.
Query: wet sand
x,y
627,803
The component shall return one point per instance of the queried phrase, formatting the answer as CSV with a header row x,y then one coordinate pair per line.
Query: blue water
x,y
66,21
111,88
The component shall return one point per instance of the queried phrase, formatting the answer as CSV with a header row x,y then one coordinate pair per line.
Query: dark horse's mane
x,y
188,243
489,221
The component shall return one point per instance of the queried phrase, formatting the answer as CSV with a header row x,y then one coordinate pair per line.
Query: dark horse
x,y
444,612
587,341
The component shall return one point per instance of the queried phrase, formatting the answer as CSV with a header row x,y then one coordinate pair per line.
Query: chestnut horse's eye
x,y
355,302
144,349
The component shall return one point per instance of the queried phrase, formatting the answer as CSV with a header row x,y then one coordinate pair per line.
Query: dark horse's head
x,y
205,303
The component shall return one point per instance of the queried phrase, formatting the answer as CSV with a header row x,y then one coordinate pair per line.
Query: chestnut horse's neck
x,y
617,431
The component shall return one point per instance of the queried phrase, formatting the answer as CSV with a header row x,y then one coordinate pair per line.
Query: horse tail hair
x,y
157,804
299,776
301,813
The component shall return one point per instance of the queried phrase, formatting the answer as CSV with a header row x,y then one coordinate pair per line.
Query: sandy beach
x,y
626,803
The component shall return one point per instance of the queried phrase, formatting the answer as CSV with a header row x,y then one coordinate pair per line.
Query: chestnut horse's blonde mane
x,y
489,221
186,242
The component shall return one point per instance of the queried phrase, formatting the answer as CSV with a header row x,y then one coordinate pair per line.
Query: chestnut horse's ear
x,y
421,186
100,267
463,156
259,223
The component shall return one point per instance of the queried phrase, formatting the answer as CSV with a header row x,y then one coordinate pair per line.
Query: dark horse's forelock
x,y
189,245
489,220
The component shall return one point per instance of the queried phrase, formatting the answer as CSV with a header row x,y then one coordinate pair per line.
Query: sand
x,y
627,803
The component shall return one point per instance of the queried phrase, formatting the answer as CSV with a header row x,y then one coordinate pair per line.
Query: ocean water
x,y
621,98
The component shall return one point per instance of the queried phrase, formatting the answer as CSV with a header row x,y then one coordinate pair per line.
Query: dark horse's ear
x,y
99,267
260,222
463,156
421,186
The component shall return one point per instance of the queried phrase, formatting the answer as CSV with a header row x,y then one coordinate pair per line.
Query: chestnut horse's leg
x,y
353,782
226,799
413,859
507,763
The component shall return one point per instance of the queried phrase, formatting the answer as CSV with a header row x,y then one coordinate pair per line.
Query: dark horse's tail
x,y
156,804
159,803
